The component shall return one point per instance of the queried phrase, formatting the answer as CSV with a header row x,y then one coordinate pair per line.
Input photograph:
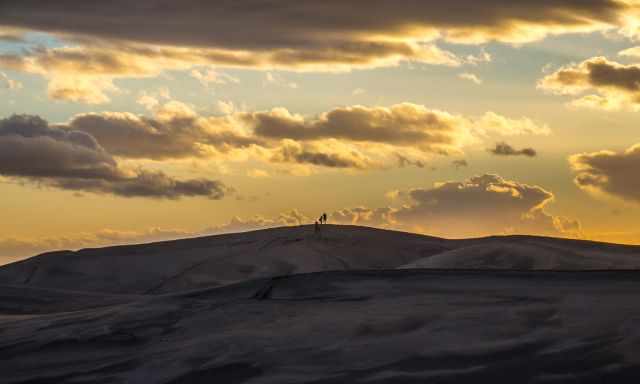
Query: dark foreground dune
x,y
411,326
241,309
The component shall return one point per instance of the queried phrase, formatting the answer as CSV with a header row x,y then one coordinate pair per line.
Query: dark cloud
x,y
504,149
147,184
292,152
31,149
296,24
121,38
402,124
615,84
404,161
173,136
611,173
353,137
460,163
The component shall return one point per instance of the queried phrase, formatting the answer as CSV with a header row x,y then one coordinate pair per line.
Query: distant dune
x,y
224,259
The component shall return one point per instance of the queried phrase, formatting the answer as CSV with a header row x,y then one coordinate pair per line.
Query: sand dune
x,y
531,253
404,326
242,308
219,260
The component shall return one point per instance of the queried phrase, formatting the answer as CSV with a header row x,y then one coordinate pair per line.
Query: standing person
x,y
324,217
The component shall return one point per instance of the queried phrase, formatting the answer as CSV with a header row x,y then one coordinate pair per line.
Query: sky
x,y
135,121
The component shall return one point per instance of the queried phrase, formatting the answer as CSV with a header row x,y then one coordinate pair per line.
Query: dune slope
x,y
404,326
179,265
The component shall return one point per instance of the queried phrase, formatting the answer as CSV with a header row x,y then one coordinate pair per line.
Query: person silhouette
x,y
324,218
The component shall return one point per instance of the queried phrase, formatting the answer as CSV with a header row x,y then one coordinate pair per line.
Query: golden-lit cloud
x,y
331,154
34,151
11,35
470,77
108,43
318,25
354,137
494,123
615,85
86,73
174,132
482,205
406,124
609,173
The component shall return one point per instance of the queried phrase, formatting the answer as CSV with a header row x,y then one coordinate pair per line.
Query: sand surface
x,y
220,260
244,308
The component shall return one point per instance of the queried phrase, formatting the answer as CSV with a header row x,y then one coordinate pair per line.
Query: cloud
x,y
7,83
86,73
151,184
351,137
482,205
492,122
609,173
377,217
633,52
330,156
209,77
616,86
460,163
11,35
32,150
405,124
483,57
109,43
275,79
470,77
404,161
293,24
504,149
175,131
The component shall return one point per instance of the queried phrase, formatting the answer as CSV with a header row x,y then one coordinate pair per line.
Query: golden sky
x,y
134,121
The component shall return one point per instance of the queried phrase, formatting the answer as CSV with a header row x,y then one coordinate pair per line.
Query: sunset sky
x,y
140,120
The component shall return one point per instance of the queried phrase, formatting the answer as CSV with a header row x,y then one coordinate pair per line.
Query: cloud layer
x,y
351,137
303,25
32,150
106,41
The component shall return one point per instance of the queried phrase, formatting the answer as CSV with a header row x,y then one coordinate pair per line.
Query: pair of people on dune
x,y
321,220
